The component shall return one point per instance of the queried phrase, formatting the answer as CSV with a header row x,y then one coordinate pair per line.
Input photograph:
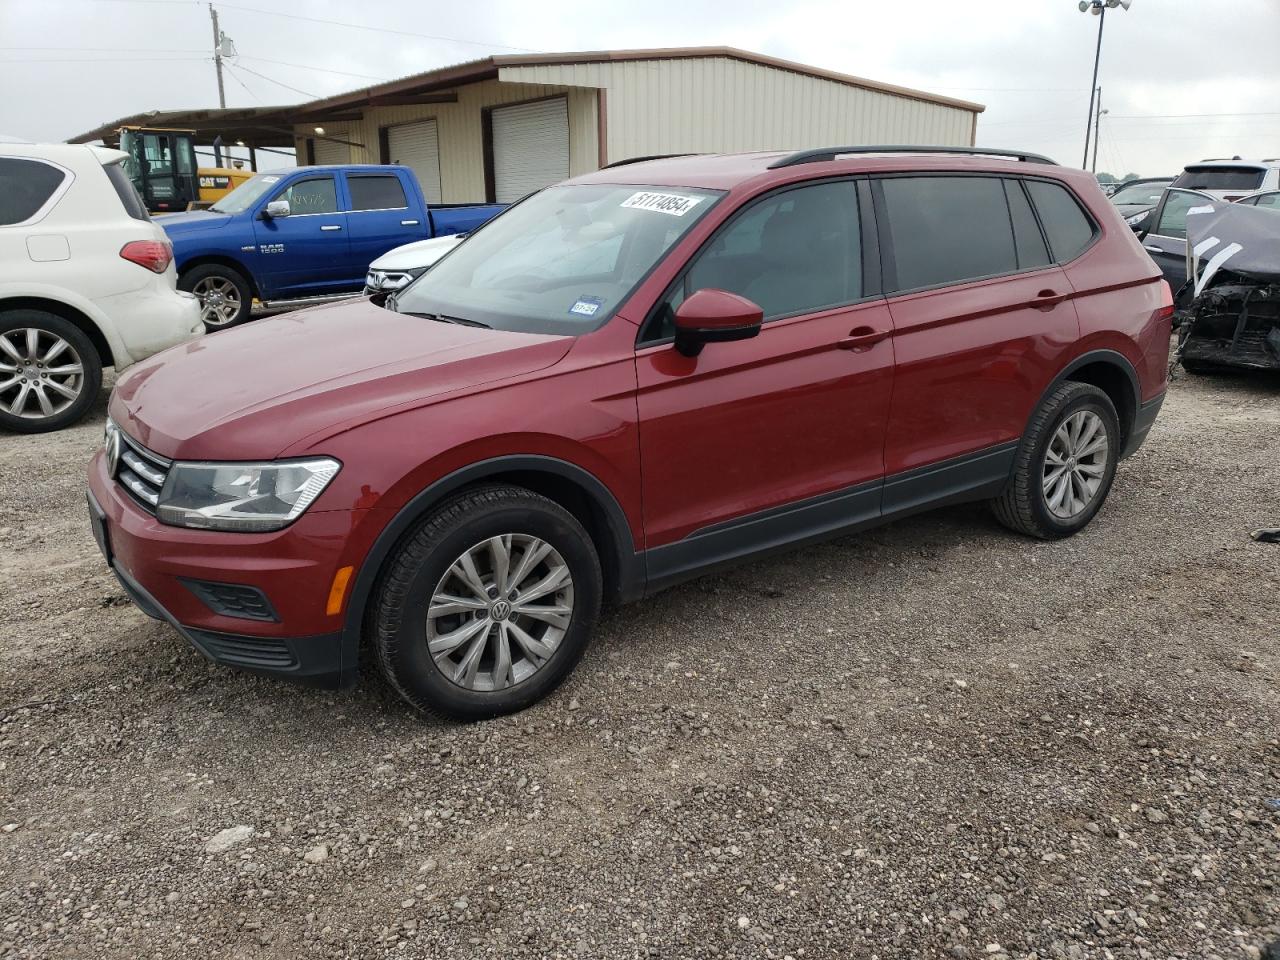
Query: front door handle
x,y
408,223
331,226
1150,249
1047,299
861,338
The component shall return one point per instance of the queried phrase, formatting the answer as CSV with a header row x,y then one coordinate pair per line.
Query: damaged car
x,y
1233,270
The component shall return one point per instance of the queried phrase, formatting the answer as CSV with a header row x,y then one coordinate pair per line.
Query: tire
x,y
430,561
225,296
1025,505
50,372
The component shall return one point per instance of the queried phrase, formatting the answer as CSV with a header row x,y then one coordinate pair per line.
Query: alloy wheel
x,y
500,611
1075,464
219,300
41,374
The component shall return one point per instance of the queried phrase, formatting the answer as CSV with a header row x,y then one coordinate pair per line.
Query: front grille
x,y
141,472
232,599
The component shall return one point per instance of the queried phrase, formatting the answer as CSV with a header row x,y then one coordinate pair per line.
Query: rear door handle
x,y
331,226
861,338
1047,300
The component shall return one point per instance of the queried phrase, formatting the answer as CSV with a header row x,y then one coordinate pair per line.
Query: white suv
x,y
86,281
1230,179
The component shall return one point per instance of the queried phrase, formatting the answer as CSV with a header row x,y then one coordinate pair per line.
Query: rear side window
x,y
1065,224
1220,178
126,191
376,193
948,229
25,187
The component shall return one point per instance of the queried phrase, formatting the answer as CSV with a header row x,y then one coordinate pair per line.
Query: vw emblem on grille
x,y
113,452
500,610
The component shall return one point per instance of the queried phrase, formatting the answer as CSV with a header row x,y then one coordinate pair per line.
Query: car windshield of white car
x,y
560,262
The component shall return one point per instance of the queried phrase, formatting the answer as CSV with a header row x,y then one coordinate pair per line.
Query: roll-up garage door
x,y
326,151
416,146
530,147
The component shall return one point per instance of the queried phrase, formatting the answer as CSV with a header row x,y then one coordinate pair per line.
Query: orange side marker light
x,y
338,592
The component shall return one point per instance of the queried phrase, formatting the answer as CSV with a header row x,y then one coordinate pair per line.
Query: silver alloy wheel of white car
x,y
500,611
1075,464
219,300
41,374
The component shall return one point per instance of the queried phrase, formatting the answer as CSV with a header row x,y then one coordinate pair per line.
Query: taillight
x,y
1166,302
155,255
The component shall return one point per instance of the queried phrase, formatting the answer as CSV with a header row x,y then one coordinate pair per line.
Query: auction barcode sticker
x,y
674,204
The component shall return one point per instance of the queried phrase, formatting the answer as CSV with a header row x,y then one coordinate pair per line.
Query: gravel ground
x,y
934,740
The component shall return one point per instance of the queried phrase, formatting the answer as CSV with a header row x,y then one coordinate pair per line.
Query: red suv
x,y
623,381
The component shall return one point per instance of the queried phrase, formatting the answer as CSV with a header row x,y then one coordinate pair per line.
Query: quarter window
x,y
948,229
1028,239
316,195
25,187
1068,229
376,193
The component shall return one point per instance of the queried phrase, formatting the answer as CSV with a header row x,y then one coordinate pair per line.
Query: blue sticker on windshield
x,y
587,306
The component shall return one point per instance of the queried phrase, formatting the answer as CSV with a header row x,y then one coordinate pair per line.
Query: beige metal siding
x,y
718,104
460,128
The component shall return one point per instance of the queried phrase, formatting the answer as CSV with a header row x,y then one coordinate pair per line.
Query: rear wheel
x,y
488,605
224,294
1064,465
50,372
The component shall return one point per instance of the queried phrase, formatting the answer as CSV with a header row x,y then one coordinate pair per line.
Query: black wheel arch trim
x,y
629,564
1112,357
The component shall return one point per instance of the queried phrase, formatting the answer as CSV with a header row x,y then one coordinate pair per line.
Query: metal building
x,y
497,128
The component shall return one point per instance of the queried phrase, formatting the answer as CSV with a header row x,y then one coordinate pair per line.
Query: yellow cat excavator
x,y
162,165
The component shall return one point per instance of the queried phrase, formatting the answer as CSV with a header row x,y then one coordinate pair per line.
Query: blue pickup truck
x,y
307,232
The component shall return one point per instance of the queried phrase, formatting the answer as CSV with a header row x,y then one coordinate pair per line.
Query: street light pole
x,y
1093,87
1097,131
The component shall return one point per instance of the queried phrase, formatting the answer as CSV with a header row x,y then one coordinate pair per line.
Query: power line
x,y
307,66
263,76
361,26
114,60
103,49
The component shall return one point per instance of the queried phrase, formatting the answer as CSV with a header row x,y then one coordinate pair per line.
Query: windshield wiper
x,y
445,318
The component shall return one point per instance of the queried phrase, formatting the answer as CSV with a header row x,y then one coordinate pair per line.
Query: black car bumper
x,y
1142,423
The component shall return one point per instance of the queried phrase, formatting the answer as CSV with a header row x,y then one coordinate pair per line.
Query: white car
x,y
86,281
1230,179
397,268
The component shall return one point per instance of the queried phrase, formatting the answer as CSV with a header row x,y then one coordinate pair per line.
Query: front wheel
x,y
50,372
224,294
488,605
1064,465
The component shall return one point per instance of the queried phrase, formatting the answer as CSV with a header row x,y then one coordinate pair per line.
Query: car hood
x,y
413,256
252,392
193,221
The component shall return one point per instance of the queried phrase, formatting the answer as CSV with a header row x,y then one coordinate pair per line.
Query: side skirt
x,y
977,476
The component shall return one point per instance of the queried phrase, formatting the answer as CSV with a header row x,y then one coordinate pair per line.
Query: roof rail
x,y
652,156
821,154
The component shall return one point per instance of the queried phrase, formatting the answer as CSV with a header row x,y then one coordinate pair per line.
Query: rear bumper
x,y
1143,420
152,319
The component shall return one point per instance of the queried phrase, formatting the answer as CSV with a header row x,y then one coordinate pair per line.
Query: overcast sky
x,y
1182,79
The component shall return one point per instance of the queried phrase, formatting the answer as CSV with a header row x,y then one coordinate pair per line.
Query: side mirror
x,y
713,316
276,209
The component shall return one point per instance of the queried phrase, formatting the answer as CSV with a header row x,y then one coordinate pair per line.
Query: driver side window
x,y
314,195
793,252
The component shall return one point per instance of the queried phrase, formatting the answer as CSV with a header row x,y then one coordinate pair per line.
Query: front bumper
x,y
156,564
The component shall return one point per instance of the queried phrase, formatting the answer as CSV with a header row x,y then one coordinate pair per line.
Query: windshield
x,y
1140,193
1220,178
247,194
562,261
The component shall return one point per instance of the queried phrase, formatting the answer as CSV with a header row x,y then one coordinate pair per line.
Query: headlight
x,y
245,497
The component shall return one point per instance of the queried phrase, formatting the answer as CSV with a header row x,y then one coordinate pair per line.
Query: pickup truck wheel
x,y
486,607
224,294
1064,465
50,372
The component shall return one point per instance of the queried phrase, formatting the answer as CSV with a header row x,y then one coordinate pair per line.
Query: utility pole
x,y
217,55
1097,130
